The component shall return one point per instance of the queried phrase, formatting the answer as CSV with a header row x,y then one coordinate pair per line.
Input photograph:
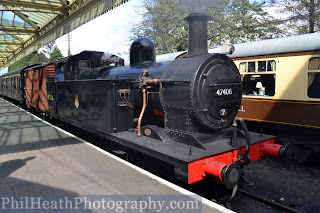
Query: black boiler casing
x,y
209,102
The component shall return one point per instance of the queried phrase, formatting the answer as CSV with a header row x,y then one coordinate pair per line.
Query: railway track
x,y
308,169
281,187
269,202
311,167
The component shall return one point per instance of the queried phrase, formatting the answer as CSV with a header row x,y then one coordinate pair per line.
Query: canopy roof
x,y
27,25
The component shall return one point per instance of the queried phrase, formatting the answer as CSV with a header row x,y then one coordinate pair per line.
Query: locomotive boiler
x,y
181,113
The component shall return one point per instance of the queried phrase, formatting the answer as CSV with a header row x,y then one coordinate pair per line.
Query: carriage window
x,y
259,85
314,78
314,85
251,66
262,66
243,67
271,66
314,64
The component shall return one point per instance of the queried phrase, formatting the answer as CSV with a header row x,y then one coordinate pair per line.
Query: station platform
x,y
45,169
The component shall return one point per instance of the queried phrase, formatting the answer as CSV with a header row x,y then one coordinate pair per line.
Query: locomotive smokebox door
x,y
216,92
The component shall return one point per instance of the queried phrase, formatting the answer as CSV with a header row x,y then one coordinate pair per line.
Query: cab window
x,y
84,64
73,71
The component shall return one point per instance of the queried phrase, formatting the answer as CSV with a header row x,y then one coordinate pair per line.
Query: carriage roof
x,y
293,44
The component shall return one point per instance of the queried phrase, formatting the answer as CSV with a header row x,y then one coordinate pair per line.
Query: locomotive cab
x,y
85,60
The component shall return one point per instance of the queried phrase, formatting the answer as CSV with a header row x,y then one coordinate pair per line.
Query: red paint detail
x,y
197,169
271,150
158,113
214,168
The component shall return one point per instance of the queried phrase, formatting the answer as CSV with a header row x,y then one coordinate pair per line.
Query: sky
x,y
110,32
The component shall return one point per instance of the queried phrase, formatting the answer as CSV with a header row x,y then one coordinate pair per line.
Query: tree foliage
x,y
35,58
39,57
240,21
56,54
28,60
235,20
299,16
163,24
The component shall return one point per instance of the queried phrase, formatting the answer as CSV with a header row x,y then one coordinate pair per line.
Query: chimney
x,y
198,30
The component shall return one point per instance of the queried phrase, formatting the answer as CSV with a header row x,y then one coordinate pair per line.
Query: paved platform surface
x,y
43,166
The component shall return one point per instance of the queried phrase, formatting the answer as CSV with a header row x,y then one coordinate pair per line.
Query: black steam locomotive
x,y
181,113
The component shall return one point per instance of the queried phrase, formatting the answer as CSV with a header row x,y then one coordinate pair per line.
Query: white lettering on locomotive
x,y
224,92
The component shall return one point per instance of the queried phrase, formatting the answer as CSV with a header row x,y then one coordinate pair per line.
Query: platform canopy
x,y
27,25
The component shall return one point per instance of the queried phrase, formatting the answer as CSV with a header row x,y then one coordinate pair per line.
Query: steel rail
x,y
269,202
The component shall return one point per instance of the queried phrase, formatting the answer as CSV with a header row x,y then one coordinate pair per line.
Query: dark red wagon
x,y
36,86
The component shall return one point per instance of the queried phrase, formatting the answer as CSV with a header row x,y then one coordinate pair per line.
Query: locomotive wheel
x,y
234,191
213,189
224,194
